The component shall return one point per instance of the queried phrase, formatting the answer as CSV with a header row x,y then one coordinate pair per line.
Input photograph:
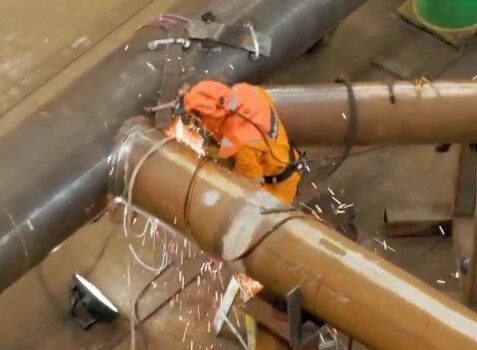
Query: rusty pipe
x,y
340,282
427,113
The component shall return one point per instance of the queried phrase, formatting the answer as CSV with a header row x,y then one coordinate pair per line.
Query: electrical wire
x,y
352,130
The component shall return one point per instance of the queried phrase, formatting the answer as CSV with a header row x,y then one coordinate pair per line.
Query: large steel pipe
x,y
340,282
441,112
54,165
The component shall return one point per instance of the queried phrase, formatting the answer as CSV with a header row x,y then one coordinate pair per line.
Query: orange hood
x,y
235,116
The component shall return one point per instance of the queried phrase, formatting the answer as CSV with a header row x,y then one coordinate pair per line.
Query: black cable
x,y
352,130
65,313
44,284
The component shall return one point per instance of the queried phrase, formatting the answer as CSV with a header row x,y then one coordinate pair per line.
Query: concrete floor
x,y
399,178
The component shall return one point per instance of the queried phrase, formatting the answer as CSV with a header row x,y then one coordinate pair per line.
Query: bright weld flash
x,y
187,135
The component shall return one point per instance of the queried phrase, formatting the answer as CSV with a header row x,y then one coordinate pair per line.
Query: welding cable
x,y
356,152
156,270
86,273
190,190
132,179
127,215
257,241
352,129
147,286
264,137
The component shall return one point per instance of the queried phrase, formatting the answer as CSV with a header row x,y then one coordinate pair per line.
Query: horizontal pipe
x,y
54,164
442,112
349,287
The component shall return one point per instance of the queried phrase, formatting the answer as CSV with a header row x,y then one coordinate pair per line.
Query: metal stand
x,y
285,324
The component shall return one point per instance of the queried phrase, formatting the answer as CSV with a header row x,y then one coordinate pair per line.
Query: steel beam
x,y
351,288
54,165
440,112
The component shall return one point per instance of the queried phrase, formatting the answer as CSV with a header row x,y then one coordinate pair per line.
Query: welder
x,y
247,128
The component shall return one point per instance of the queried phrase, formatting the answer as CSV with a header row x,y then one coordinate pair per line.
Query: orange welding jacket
x,y
243,119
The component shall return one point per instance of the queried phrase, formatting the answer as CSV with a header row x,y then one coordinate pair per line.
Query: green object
x,y
447,14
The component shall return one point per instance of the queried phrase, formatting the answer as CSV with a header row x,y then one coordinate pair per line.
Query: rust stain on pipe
x,y
441,112
341,282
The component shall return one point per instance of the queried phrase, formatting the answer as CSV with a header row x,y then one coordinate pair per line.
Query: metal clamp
x,y
254,55
153,45
298,338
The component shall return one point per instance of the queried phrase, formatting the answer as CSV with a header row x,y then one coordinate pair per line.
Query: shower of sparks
x,y
312,211
248,286
150,66
336,200
330,190
344,116
384,244
442,230
441,282
30,225
187,135
185,331
345,206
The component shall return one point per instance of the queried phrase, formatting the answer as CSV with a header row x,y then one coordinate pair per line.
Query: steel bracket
x,y
299,338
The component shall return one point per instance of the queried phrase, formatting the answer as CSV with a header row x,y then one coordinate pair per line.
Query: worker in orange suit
x,y
243,121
